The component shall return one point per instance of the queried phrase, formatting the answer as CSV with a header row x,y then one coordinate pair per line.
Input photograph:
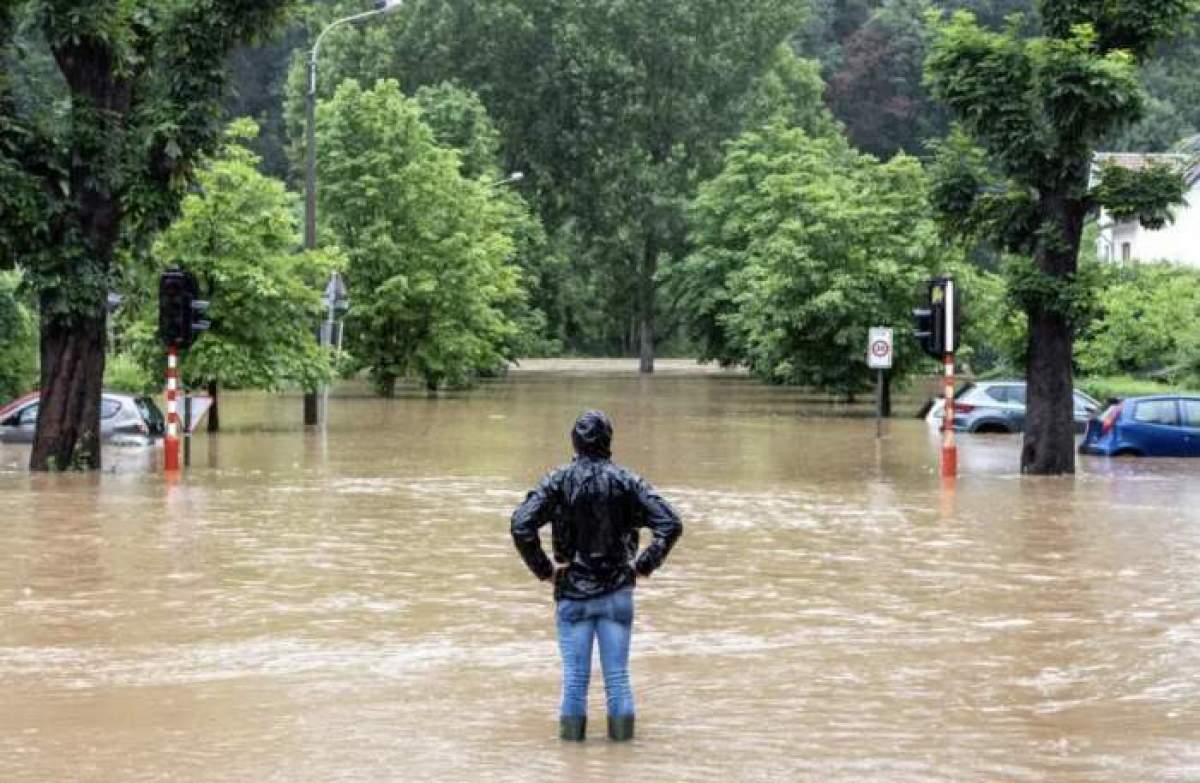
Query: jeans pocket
x,y
621,606
569,610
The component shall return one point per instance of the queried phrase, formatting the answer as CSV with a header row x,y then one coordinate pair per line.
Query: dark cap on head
x,y
592,435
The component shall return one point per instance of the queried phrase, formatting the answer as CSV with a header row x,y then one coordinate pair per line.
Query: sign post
x,y
171,441
337,301
880,351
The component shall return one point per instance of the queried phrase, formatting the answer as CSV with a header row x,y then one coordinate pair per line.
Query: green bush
x,y
18,341
122,372
1122,386
1147,321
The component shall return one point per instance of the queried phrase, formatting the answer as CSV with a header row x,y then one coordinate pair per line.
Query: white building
x,y
1127,242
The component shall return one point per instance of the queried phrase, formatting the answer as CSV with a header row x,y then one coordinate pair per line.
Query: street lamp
x,y
511,179
311,414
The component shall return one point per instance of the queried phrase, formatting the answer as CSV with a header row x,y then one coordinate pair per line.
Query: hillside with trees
x,y
751,181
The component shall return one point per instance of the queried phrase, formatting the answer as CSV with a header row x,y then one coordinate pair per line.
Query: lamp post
x,y
311,409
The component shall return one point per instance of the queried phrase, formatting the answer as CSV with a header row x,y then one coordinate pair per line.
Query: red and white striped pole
x,y
949,448
171,441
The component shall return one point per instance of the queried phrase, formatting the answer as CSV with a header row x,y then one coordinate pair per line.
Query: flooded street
x,y
349,605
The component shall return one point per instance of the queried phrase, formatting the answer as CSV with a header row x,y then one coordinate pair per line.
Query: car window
x,y
29,415
109,408
1191,412
150,414
1156,412
1016,394
998,393
1083,403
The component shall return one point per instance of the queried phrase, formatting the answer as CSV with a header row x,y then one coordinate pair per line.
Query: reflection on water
x,y
348,606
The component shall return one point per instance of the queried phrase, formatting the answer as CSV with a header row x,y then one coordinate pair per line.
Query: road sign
x,y
879,348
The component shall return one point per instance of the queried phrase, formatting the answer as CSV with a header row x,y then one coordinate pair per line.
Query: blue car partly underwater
x,y
1158,426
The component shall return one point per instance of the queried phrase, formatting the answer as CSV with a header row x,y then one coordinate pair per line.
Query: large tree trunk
x,y
68,425
646,309
387,386
1049,447
214,412
73,311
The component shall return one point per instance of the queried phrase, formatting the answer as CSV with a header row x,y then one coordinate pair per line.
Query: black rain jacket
x,y
596,509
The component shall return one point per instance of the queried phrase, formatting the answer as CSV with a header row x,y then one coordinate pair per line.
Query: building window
x,y
1126,252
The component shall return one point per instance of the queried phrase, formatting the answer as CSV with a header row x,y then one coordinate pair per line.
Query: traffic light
x,y
180,313
924,325
939,316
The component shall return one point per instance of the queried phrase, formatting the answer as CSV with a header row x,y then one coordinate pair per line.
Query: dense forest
x,y
753,182
862,61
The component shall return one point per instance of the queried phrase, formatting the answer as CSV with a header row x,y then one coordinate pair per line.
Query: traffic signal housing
x,y
180,310
938,317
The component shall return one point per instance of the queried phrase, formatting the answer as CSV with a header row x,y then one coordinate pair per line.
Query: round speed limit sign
x,y
879,349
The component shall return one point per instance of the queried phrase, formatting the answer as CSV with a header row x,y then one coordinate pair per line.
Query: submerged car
x,y
122,417
999,407
1157,426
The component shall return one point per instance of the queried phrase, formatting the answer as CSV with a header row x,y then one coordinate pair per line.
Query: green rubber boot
x,y
572,728
620,729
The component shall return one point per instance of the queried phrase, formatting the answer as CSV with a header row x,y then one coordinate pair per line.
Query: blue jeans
x,y
609,619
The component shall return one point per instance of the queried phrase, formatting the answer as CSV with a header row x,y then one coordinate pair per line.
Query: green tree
x,y
460,122
240,236
1038,107
789,92
877,89
801,245
429,255
88,185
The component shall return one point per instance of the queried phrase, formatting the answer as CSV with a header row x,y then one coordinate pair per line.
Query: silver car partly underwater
x,y
124,418
999,407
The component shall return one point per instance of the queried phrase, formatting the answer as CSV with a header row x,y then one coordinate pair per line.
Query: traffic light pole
x,y
171,441
949,447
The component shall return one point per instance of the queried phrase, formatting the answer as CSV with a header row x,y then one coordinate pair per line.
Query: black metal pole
x,y
187,429
879,404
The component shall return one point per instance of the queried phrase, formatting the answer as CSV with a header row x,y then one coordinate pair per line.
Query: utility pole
x,y
311,414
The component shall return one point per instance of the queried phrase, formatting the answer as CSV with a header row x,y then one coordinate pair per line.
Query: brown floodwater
x,y
347,604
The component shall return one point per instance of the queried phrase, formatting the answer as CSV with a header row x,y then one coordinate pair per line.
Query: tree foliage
x,y
460,121
240,236
614,110
801,245
18,340
1148,322
877,89
429,269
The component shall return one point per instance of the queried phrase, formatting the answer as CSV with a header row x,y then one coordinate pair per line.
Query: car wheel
x,y
992,429
1127,453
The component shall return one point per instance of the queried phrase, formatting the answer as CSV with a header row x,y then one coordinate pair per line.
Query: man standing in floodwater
x,y
596,508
